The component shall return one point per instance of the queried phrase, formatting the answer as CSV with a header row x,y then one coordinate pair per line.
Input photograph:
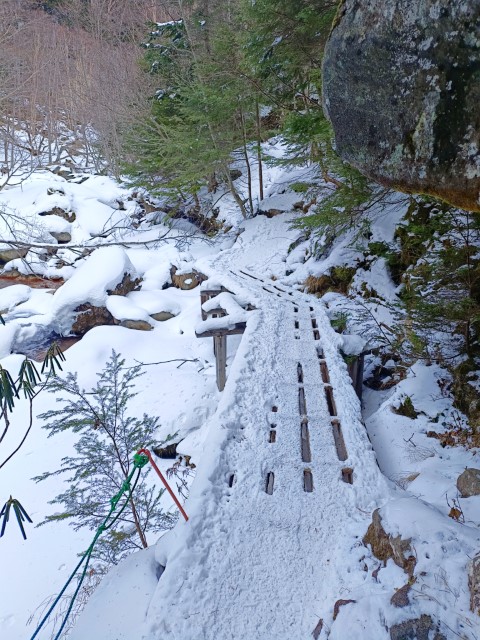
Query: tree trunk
x,y
247,163
141,534
233,191
259,151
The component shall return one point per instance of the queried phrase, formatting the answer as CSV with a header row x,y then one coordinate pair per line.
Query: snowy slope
x,y
248,564
253,565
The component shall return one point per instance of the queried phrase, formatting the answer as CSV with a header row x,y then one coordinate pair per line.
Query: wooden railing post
x,y
220,348
355,369
219,335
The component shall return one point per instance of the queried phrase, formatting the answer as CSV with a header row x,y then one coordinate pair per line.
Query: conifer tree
x,y
108,436
202,110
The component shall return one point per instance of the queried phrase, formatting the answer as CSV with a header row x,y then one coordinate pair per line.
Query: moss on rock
x,y
414,124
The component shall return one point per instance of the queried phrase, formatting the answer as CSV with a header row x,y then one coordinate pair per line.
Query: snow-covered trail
x,y
259,557
265,554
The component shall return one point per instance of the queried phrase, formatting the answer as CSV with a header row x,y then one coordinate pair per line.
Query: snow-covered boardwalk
x,y
284,486
260,553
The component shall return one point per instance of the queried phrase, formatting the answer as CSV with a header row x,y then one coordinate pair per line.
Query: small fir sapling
x,y
108,437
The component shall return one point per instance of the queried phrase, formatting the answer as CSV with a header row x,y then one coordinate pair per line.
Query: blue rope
x,y
139,462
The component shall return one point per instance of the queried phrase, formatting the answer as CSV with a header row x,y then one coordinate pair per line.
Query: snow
x,y
226,302
156,300
11,296
56,224
123,308
247,564
282,202
353,345
51,551
141,571
8,334
204,567
100,273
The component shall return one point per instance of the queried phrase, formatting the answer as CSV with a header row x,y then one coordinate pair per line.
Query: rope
x,y
147,453
139,461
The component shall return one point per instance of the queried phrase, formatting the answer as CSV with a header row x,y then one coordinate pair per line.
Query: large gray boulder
x,y
401,86
7,254
474,584
468,483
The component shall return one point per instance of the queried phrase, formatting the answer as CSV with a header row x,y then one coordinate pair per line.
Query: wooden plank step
x,y
247,274
302,404
237,329
270,483
332,409
305,442
339,441
300,373
324,372
307,481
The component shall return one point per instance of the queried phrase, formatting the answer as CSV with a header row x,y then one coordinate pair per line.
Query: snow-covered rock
x,y
91,284
13,295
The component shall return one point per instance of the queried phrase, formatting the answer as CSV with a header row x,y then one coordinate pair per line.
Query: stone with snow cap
x,y
107,271
353,344
128,314
278,203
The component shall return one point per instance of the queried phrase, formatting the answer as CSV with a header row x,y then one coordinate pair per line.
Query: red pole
x,y
162,478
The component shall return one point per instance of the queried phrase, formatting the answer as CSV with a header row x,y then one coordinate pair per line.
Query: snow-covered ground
x,y
247,564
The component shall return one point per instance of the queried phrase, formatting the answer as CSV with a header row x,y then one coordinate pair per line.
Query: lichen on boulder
x,y
401,86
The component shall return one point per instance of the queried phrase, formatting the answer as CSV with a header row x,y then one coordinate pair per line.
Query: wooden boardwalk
x,y
287,464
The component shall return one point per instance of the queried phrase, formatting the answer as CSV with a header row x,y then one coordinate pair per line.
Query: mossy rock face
x,y
338,280
465,394
401,86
